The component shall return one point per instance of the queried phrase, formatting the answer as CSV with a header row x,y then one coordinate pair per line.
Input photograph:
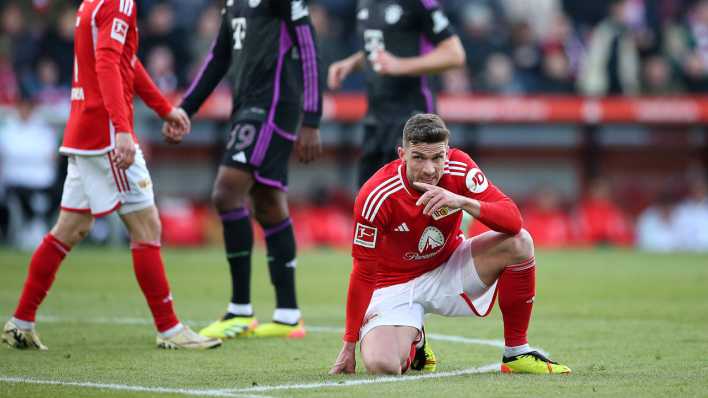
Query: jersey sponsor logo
x,y
476,181
373,40
402,228
238,26
363,14
119,31
254,3
298,9
431,239
77,94
393,14
440,22
365,236
443,212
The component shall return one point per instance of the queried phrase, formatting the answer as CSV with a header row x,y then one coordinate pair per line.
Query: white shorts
x,y
94,184
452,289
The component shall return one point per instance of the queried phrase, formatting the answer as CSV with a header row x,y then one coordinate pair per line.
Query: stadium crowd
x,y
603,47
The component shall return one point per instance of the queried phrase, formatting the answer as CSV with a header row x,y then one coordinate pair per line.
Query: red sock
x,y
517,289
150,273
42,270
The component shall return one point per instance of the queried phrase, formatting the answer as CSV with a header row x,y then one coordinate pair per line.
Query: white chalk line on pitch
x,y
132,388
238,392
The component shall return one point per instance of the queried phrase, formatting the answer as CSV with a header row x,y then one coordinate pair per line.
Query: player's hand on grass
x,y
308,145
124,150
435,197
176,126
385,63
346,360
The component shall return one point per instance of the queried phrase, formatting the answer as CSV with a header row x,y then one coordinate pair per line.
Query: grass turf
x,y
627,324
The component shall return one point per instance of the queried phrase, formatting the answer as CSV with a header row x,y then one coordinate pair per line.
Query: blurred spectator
x,y
481,38
23,45
687,45
58,45
655,227
556,74
691,218
561,36
611,66
8,83
599,220
48,88
161,67
160,31
200,44
500,76
456,81
28,166
657,77
538,14
526,54
546,221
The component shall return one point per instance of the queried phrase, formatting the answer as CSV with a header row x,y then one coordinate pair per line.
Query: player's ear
x,y
401,153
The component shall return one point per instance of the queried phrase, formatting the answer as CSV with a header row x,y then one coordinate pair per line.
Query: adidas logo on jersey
x,y
402,228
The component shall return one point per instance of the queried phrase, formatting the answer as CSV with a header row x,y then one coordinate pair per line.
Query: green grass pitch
x,y
628,324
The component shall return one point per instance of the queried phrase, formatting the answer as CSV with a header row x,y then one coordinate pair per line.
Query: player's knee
x,y
383,365
72,234
225,198
269,210
521,247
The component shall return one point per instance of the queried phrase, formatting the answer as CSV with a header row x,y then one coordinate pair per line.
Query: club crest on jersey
x,y
298,9
443,212
393,14
119,30
431,242
476,181
365,236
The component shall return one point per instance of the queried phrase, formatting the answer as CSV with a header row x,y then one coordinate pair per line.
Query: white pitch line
x,y
492,367
126,387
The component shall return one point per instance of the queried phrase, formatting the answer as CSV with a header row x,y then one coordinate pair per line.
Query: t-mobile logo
x,y
238,25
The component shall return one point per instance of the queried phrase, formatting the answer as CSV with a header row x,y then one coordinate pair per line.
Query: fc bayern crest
x,y
393,14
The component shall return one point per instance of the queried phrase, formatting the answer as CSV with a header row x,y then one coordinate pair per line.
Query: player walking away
x,y
107,172
270,46
410,257
402,42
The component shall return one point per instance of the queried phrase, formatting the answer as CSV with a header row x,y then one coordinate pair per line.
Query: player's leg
x,y
271,211
229,197
144,229
140,216
388,349
70,229
510,260
372,156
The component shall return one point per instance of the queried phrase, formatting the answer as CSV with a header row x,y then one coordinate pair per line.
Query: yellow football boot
x,y
275,329
229,328
533,363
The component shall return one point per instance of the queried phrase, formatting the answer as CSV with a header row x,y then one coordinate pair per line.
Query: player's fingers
x,y
432,203
423,200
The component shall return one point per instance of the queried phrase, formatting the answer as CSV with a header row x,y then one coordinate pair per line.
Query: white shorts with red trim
x,y
452,289
94,184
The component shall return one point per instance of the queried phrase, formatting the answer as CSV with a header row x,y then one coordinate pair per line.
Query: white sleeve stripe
x,y
452,162
456,168
383,200
454,174
377,198
373,192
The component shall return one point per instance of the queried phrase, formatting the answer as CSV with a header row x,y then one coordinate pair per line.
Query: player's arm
x,y
477,196
339,70
113,25
447,51
297,17
213,69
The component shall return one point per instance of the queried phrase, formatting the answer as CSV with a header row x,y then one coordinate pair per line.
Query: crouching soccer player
x,y
107,172
410,258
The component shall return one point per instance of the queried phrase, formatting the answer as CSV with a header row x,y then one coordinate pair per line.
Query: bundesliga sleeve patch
x,y
119,30
476,181
365,236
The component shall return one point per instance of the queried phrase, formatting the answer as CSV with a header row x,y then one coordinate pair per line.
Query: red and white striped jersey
x,y
394,242
106,75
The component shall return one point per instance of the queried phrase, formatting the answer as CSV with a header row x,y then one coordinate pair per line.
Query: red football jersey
x,y
106,75
394,242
